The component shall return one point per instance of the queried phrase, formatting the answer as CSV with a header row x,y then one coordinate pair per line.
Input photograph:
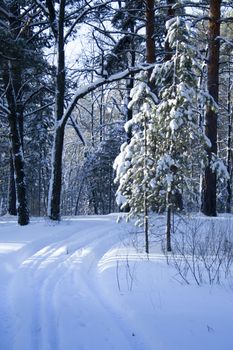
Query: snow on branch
x,y
41,5
82,15
3,24
85,90
39,109
228,42
33,94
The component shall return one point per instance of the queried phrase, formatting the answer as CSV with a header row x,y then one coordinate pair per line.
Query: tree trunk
x,y
170,14
54,199
169,223
145,200
12,77
11,208
18,159
229,150
150,31
129,111
168,56
150,58
101,114
16,146
210,181
130,80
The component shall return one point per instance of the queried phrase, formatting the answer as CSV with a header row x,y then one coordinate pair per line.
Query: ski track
x,y
62,290
61,274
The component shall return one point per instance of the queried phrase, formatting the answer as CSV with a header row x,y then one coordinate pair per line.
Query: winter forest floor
x,y
85,284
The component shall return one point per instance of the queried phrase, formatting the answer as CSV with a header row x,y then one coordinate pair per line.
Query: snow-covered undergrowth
x,y
86,284
203,250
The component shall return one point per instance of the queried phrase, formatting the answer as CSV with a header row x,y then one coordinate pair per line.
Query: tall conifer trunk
x,y
229,145
12,78
170,14
16,145
209,181
150,58
168,56
130,84
11,206
150,31
56,176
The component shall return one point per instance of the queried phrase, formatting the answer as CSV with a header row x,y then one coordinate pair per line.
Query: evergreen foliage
x,y
175,143
44,90
98,177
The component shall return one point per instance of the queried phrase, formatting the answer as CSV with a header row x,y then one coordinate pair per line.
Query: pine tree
x,y
175,144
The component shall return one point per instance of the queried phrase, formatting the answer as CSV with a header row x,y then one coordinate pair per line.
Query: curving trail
x,y
52,300
85,284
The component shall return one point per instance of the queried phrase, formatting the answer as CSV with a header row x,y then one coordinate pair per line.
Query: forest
x,y
121,105
106,99
116,158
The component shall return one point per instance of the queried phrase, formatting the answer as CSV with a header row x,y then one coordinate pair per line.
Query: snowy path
x,y
81,285
51,299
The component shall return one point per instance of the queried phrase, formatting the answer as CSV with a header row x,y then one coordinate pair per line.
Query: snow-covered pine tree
x,y
175,143
131,172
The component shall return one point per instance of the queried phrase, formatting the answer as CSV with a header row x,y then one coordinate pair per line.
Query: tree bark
x,y
229,146
145,199
130,80
169,208
169,224
150,30
16,146
170,14
150,40
11,208
210,181
150,58
13,76
54,199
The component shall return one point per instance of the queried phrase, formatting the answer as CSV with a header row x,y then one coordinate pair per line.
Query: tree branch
x,y
82,92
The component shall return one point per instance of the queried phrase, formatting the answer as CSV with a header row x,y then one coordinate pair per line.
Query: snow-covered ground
x,y
82,284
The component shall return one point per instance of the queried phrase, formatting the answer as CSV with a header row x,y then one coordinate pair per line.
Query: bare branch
x,y
82,92
4,109
76,128
39,109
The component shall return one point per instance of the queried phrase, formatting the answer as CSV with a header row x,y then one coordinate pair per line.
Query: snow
x,y
218,166
173,125
86,284
84,90
138,92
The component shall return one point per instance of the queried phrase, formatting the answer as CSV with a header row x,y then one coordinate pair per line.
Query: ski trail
x,y
52,295
82,285
33,285
88,305
93,282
